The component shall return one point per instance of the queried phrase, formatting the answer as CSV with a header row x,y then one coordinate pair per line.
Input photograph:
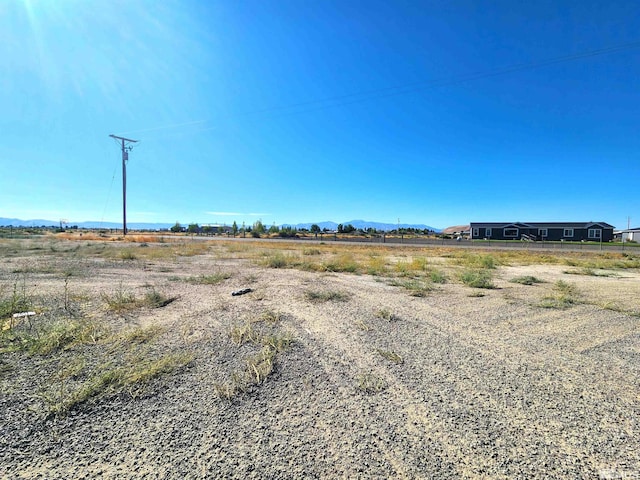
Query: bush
x,y
477,279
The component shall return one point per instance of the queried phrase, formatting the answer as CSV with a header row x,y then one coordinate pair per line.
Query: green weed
x,y
477,278
526,280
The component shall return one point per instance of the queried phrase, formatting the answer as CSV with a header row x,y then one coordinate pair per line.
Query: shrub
x,y
477,278
526,280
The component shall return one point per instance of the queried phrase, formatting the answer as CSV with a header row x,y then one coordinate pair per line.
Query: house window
x,y
510,232
595,233
475,233
543,232
568,232
488,233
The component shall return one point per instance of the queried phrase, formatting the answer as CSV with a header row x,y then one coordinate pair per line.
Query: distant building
x,y
215,228
457,230
551,231
628,235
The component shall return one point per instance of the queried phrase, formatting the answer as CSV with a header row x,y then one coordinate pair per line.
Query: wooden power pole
x,y
126,148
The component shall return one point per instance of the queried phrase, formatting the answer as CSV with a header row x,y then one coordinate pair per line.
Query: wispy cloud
x,y
238,214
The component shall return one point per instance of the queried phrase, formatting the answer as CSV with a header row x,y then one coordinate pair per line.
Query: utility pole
x,y
125,158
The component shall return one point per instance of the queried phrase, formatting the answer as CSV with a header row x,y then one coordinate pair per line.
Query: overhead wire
x,y
402,89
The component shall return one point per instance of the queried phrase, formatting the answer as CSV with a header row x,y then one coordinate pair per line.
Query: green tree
x,y
176,228
234,228
193,228
274,228
258,227
315,229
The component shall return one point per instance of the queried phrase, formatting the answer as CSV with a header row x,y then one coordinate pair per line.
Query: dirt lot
x,y
340,362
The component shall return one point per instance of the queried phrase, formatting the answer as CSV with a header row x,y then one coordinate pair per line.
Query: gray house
x,y
551,231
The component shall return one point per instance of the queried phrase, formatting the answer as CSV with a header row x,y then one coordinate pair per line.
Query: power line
x,y
407,88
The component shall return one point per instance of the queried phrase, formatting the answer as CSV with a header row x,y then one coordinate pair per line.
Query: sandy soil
x,y
489,386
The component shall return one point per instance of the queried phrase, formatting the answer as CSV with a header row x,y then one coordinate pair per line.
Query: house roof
x,y
540,224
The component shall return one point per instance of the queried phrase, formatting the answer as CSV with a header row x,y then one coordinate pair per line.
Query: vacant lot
x,y
342,361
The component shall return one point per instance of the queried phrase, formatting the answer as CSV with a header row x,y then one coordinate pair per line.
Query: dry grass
x,y
370,383
317,296
391,356
563,295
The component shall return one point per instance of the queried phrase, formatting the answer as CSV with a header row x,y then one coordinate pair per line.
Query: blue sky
x,y
301,111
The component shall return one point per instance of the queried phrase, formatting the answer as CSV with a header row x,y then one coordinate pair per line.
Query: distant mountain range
x,y
363,224
16,222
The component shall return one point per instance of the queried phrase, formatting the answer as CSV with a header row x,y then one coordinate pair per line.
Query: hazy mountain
x,y
364,224
16,222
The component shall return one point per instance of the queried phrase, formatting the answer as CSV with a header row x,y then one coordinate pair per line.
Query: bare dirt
x,y
490,386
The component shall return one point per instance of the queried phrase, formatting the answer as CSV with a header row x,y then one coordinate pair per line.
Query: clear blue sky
x,y
285,110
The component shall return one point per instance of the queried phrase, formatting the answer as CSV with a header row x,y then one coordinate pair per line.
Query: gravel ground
x,y
489,386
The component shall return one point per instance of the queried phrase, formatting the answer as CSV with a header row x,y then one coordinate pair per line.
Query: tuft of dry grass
x,y
211,279
391,356
370,383
317,296
526,280
385,314
563,295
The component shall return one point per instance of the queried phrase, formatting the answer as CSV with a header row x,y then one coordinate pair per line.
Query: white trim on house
x,y
543,232
568,233
487,232
509,235
595,233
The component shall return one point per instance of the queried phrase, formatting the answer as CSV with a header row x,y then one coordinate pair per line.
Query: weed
x,y
155,299
526,280
120,300
278,342
212,279
475,260
436,276
477,278
128,254
564,295
588,271
362,325
243,334
18,301
416,287
257,367
370,383
386,314
376,265
137,336
62,335
391,356
326,296
311,251
271,317
277,260
111,379
342,263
